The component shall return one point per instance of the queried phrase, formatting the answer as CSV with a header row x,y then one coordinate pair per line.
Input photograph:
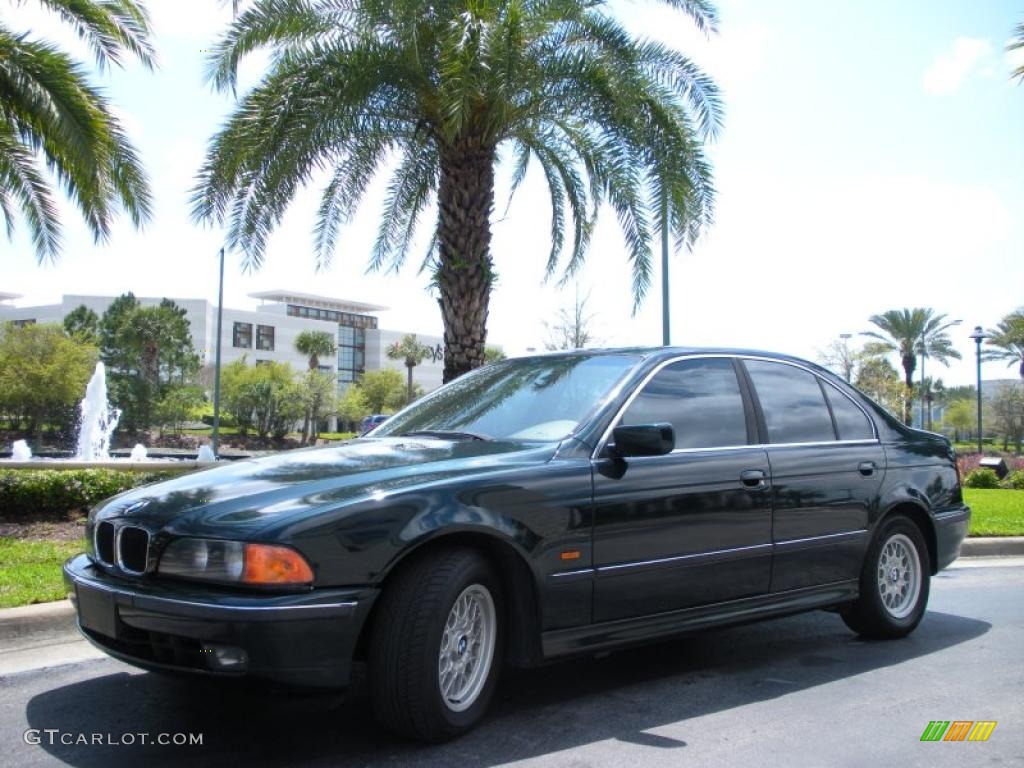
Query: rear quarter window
x,y
851,421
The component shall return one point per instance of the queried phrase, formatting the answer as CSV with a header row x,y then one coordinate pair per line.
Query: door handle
x,y
866,468
752,478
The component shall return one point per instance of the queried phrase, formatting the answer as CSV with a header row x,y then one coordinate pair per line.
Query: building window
x,y
263,362
242,338
347,319
346,357
265,337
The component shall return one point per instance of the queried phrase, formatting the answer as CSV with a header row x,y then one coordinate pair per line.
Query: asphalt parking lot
x,y
796,691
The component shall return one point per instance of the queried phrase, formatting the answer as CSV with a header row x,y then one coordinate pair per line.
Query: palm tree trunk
x,y
909,363
408,385
464,276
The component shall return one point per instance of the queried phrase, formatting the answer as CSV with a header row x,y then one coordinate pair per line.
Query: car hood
x,y
245,497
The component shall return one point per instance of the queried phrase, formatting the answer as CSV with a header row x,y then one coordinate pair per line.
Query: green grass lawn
x,y
30,570
995,512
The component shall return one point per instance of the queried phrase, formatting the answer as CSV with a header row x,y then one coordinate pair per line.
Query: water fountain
x,y
99,419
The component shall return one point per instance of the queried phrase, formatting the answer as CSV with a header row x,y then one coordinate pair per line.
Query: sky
x,y
870,159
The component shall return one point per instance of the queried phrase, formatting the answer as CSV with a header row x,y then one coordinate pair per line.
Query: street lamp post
x,y
979,336
924,396
666,334
847,366
216,371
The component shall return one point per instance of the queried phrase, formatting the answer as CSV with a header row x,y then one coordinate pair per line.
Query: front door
x,y
692,527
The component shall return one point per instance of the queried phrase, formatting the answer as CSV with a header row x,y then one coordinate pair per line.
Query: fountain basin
x,y
150,465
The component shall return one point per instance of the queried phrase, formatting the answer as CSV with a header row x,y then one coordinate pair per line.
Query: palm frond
x,y
410,190
108,27
49,106
20,178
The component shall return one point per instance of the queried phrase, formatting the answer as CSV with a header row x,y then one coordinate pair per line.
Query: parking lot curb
x,y
993,546
28,620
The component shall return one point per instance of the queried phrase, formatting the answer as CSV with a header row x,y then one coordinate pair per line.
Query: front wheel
x,y
894,583
436,644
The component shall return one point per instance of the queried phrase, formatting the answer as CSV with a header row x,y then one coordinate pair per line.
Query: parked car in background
x,y
532,509
370,422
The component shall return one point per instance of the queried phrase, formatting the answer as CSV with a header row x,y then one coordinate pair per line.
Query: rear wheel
x,y
894,582
435,646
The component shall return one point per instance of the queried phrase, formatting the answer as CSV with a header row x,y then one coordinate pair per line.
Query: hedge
x,y
40,494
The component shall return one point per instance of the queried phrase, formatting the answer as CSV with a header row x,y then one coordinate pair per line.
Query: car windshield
x,y
538,398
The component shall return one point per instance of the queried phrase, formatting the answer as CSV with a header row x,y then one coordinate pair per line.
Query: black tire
x,y
406,638
870,615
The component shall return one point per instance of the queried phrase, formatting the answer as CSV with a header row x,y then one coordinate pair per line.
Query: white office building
x,y
268,332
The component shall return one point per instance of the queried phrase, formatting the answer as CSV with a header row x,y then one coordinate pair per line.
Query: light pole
x,y
847,365
665,333
216,370
979,336
924,354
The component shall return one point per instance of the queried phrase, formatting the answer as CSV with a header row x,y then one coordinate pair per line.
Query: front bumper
x,y
950,530
297,639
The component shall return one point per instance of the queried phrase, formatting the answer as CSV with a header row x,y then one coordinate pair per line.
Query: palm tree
x,y
439,92
50,115
314,345
412,352
1006,340
910,332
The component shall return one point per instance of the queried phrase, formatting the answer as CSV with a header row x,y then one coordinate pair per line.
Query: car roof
x,y
661,353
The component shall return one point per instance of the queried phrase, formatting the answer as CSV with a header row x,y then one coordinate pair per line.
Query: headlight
x,y
234,562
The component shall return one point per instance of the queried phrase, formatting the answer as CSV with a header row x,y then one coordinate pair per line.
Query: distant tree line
x,y
913,332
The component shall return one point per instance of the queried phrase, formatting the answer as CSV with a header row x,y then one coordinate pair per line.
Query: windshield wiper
x,y
446,434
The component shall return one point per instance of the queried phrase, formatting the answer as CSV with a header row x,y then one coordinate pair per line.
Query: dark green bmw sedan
x,y
534,508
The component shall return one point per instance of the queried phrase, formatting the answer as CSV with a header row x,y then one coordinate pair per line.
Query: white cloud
x,y
968,56
198,21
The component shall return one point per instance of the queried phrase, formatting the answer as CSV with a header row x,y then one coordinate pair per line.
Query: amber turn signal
x,y
571,554
267,564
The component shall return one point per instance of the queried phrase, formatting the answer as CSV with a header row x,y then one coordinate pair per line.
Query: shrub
x,y
982,478
41,494
1014,481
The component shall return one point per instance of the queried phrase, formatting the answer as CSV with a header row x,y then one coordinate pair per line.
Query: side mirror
x,y
643,440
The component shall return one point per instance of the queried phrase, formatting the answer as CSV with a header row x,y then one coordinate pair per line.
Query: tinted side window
x,y
699,398
850,420
794,408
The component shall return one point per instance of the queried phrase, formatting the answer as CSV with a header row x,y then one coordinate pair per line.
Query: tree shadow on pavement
x,y
560,706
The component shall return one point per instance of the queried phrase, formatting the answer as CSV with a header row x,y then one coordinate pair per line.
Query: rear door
x,y
826,468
